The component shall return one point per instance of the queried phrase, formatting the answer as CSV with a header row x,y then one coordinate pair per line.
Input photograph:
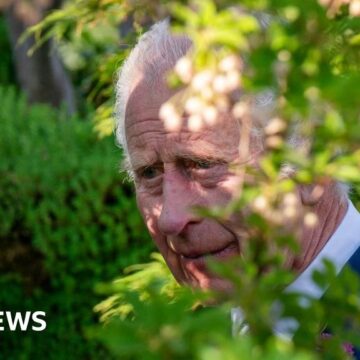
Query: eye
x,y
200,167
150,172
203,164
208,172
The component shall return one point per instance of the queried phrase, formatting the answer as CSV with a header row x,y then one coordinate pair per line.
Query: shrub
x,y
7,71
68,220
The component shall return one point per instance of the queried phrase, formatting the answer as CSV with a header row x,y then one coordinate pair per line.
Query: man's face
x,y
179,170
176,171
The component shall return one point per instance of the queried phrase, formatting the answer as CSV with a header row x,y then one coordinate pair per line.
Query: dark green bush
x,y
7,71
67,221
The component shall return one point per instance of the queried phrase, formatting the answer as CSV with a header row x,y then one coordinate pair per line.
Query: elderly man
x,y
177,170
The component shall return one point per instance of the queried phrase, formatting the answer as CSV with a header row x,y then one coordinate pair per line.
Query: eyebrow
x,y
195,157
140,161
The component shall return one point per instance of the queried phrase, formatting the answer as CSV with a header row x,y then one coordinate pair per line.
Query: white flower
x,y
194,105
220,84
202,79
260,203
167,110
232,80
240,110
274,142
210,115
354,8
311,219
230,63
183,69
195,123
275,126
172,120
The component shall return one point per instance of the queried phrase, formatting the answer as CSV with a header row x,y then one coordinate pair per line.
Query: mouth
x,y
230,249
196,270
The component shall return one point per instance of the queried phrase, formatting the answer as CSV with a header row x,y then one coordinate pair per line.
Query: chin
x,y
212,283
197,272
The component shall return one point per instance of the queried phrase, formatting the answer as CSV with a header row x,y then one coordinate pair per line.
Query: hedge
x,y
68,220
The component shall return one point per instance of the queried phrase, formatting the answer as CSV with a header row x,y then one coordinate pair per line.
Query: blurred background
x,y
68,219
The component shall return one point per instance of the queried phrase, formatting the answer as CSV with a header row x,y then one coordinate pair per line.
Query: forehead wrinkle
x,y
138,137
149,142
141,112
148,155
139,159
134,123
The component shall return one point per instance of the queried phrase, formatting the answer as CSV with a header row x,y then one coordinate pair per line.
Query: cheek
x,y
150,210
225,191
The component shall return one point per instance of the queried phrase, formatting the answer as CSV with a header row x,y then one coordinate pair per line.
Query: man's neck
x,y
330,211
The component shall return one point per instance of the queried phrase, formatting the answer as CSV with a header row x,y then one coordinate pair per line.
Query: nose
x,y
178,197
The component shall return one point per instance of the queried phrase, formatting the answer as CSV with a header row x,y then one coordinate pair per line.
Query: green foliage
x,y
145,321
7,72
155,273
87,36
68,220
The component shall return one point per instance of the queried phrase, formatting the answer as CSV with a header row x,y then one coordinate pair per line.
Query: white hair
x,y
158,50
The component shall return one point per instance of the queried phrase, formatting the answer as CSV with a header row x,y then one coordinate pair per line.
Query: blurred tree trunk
x,y
41,76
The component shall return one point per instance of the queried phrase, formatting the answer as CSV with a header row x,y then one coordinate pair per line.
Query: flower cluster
x,y
283,210
207,93
274,132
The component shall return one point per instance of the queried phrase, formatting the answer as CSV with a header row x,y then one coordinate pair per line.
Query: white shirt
x,y
339,248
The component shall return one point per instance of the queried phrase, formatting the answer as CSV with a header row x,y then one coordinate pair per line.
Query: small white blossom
x,y
167,110
240,110
183,69
354,8
207,93
274,142
275,126
230,63
194,105
202,79
311,219
210,115
290,199
195,123
220,84
172,120
260,203
290,212
232,80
